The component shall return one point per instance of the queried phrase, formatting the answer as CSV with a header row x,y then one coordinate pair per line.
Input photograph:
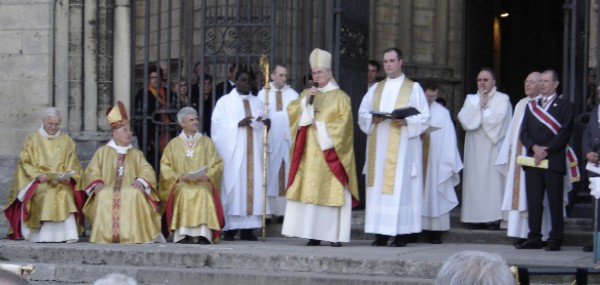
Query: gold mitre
x,y
117,116
320,59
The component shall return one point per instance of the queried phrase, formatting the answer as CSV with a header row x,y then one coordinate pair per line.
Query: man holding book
x,y
190,177
545,131
44,203
394,167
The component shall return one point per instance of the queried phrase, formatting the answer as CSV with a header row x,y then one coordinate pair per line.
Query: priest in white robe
x,y
237,131
485,116
279,138
442,164
394,168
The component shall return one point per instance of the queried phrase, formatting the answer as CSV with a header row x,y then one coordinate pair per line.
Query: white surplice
x,y
517,215
483,185
399,213
443,168
232,145
279,143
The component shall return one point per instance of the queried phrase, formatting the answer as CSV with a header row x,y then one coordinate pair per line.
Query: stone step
x,y
87,274
277,261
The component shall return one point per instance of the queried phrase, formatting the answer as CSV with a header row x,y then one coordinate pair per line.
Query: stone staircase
x,y
286,261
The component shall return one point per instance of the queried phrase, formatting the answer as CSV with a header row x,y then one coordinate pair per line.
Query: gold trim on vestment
x,y
116,203
389,171
249,161
278,100
517,178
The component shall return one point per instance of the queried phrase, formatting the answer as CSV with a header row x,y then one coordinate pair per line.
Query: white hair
x,y
115,279
50,112
184,112
475,268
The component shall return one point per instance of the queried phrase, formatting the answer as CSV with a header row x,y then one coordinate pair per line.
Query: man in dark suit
x,y
545,132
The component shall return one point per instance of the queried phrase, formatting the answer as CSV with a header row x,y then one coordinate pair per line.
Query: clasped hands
x,y
378,119
539,153
592,157
43,178
248,120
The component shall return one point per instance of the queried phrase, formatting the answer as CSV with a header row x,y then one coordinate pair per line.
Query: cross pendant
x,y
121,170
189,153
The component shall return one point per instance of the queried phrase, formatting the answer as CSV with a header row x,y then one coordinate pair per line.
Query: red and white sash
x,y
549,121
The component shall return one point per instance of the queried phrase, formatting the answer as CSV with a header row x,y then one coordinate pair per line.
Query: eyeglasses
x,y
319,72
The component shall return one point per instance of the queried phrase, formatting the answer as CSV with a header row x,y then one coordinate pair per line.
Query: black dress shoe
x,y
229,235
313,242
336,244
530,245
553,247
203,240
434,237
380,240
493,226
518,241
588,248
247,234
399,241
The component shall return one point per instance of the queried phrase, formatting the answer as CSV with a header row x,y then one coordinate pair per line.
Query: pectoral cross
x,y
121,170
189,153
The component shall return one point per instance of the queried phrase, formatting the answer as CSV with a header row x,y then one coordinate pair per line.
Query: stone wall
x,y
26,76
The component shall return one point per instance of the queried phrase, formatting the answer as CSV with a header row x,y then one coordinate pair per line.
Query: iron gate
x,y
198,40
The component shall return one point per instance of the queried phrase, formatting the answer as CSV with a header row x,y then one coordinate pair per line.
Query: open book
x,y
60,175
400,113
197,173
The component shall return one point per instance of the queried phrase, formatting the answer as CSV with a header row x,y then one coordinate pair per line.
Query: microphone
x,y
312,97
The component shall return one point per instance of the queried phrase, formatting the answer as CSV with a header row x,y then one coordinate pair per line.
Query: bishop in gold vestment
x,y
44,206
191,200
322,181
123,202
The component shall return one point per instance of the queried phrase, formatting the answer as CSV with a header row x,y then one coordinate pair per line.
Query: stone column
x,y
61,59
442,27
75,99
122,53
405,29
90,65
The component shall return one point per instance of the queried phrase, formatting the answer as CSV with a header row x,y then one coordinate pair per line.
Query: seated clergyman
x,y
190,174
44,202
123,201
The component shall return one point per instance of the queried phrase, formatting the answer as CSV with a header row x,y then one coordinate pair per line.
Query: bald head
x,y
532,84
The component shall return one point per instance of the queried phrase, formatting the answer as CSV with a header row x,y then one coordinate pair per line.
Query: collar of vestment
x,y
231,82
44,134
273,88
330,86
187,138
397,79
118,148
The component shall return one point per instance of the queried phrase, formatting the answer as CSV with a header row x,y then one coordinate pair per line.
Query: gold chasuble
x,y
119,212
191,204
51,201
314,182
393,144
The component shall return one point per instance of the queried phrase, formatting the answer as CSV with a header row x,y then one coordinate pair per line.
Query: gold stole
x,y
517,177
279,108
426,138
278,100
389,171
116,203
249,161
